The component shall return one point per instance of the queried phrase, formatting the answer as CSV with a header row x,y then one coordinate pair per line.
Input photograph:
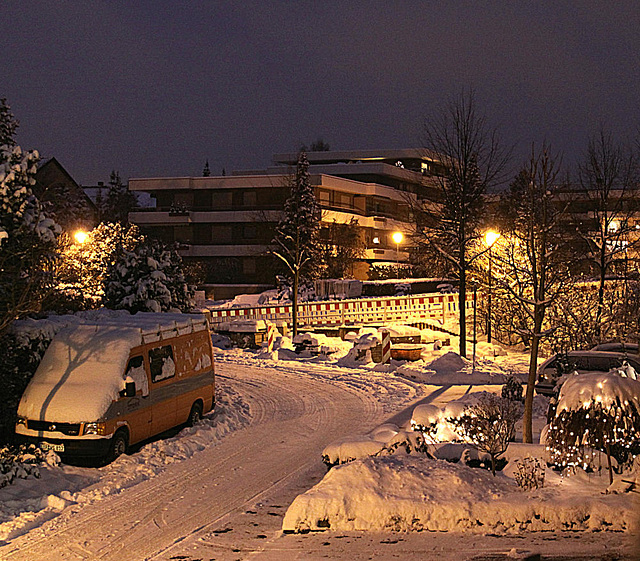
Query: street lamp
x,y
490,238
397,237
81,236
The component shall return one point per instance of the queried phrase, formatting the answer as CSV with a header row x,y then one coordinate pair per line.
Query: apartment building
x,y
226,223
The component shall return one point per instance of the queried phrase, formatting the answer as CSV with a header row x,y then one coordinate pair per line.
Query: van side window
x,y
135,371
161,363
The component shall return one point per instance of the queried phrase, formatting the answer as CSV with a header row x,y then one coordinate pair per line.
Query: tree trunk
x,y
607,447
462,300
527,421
294,304
603,274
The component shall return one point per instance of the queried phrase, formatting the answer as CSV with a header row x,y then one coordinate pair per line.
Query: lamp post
x,y
490,238
397,237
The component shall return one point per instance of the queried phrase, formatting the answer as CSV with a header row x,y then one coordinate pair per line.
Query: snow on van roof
x,y
81,371
80,374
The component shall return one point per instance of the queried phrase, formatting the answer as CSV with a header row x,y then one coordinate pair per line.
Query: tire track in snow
x,y
293,418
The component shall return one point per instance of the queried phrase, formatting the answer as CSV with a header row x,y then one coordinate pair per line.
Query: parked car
x,y
598,360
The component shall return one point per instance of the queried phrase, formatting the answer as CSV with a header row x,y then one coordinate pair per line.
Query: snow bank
x,y
412,493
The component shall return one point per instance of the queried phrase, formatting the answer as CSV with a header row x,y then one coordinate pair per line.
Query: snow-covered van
x,y
103,387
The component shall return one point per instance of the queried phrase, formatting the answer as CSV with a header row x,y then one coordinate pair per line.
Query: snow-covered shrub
x,y
426,419
529,473
19,463
596,411
512,390
489,424
148,278
80,278
21,357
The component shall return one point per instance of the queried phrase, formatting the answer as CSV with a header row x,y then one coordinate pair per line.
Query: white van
x,y
102,387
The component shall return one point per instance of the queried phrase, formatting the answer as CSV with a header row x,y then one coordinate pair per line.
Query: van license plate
x,y
48,446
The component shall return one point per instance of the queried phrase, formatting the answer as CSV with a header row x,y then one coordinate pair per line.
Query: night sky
x,y
154,88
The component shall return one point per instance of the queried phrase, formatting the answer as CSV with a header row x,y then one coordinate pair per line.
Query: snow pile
x,y
360,354
411,493
451,368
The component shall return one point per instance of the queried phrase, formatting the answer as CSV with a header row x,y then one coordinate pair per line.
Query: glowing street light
x,y
490,238
81,236
397,237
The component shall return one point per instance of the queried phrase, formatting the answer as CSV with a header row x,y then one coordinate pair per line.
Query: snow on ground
x,y
28,503
383,493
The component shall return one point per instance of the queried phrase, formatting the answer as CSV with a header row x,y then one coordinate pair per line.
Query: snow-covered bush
x,y
19,463
80,278
147,278
22,353
489,425
512,390
596,411
529,473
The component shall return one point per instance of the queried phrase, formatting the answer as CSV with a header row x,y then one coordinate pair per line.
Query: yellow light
x,y
491,237
81,236
397,237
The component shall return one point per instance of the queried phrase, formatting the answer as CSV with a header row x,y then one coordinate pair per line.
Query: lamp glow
x,y
81,236
397,237
491,237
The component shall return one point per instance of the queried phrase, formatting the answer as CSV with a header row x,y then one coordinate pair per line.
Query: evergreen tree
x,y
119,201
147,278
8,125
296,237
341,245
206,172
81,276
27,237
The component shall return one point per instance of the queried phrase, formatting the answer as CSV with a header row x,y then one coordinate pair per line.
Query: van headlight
x,y
95,428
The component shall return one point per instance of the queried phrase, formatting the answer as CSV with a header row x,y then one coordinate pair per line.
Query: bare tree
x,y
608,179
532,256
475,161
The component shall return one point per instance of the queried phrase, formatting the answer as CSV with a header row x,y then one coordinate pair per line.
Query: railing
x,y
418,308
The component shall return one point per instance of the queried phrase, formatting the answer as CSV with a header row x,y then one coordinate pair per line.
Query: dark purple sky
x,y
154,88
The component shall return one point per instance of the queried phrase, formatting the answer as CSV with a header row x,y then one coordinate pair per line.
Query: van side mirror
x,y
130,389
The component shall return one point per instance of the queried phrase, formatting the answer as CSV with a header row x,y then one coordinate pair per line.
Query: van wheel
x,y
195,415
119,445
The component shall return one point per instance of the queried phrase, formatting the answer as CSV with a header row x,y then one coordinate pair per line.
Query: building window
x,y
249,199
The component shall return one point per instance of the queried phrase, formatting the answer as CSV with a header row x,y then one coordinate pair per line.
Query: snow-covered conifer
x,y
119,201
27,238
296,237
147,278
